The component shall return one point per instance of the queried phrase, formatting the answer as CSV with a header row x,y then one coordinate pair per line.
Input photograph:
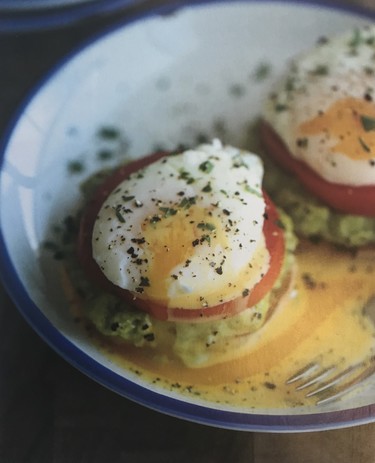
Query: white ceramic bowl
x,y
163,80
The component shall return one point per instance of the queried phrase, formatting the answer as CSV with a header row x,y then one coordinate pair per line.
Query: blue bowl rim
x,y
235,420
43,18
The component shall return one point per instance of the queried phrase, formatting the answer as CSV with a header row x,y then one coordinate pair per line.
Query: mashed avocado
x,y
312,219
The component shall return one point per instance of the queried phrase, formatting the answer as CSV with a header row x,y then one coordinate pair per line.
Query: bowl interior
x,y
161,81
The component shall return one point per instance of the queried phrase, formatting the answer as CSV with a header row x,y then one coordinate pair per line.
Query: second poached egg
x,y
323,108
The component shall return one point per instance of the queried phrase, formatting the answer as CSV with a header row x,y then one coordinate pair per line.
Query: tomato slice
x,y
344,198
274,238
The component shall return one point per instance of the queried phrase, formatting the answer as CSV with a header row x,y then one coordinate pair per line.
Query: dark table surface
x,y
50,412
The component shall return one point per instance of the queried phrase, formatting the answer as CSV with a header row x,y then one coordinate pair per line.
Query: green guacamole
x,y
311,218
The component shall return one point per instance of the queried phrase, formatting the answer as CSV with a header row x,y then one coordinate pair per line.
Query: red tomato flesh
x,y
344,198
274,239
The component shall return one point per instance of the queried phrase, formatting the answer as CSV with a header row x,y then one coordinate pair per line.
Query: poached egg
x,y
187,230
323,108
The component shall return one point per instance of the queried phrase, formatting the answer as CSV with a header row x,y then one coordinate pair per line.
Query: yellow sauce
x,y
321,320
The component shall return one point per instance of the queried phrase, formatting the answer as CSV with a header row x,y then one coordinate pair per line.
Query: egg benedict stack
x,y
319,125
185,247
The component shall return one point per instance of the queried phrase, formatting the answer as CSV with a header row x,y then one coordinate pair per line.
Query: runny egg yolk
x,y
348,122
171,243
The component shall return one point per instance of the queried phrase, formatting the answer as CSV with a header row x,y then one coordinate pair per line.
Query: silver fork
x,y
331,383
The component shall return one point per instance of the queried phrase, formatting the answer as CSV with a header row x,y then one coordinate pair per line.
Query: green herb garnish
x,y
320,70
368,123
104,155
119,216
290,84
206,226
168,211
186,203
206,238
206,167
144,282
75,167
302,142
127,198
184,175
237,90
363,145
279,107
262,72
239,162
109,133
356,39
207,188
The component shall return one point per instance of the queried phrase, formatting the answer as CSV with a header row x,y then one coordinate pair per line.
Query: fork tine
x,y
350,385
336,379
315,379
333,387
303,372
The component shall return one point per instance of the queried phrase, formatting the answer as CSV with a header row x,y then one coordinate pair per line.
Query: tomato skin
x,y
274,238
358,200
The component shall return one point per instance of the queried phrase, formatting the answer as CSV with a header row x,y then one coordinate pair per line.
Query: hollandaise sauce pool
x,y
322,320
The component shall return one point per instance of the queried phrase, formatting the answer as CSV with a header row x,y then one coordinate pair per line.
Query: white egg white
x,y
338,71
187,230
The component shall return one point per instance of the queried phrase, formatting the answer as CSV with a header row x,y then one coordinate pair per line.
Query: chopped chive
x,y
75,167
168,211
368,123
206,238
239,162
206,226
253,191
186,203
154,219
320,70
364,145
262,72
281,107
207,188
290,84
237,90
302,142
356,38
206,167
184,175
119,216
104,155
144,281
108,133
